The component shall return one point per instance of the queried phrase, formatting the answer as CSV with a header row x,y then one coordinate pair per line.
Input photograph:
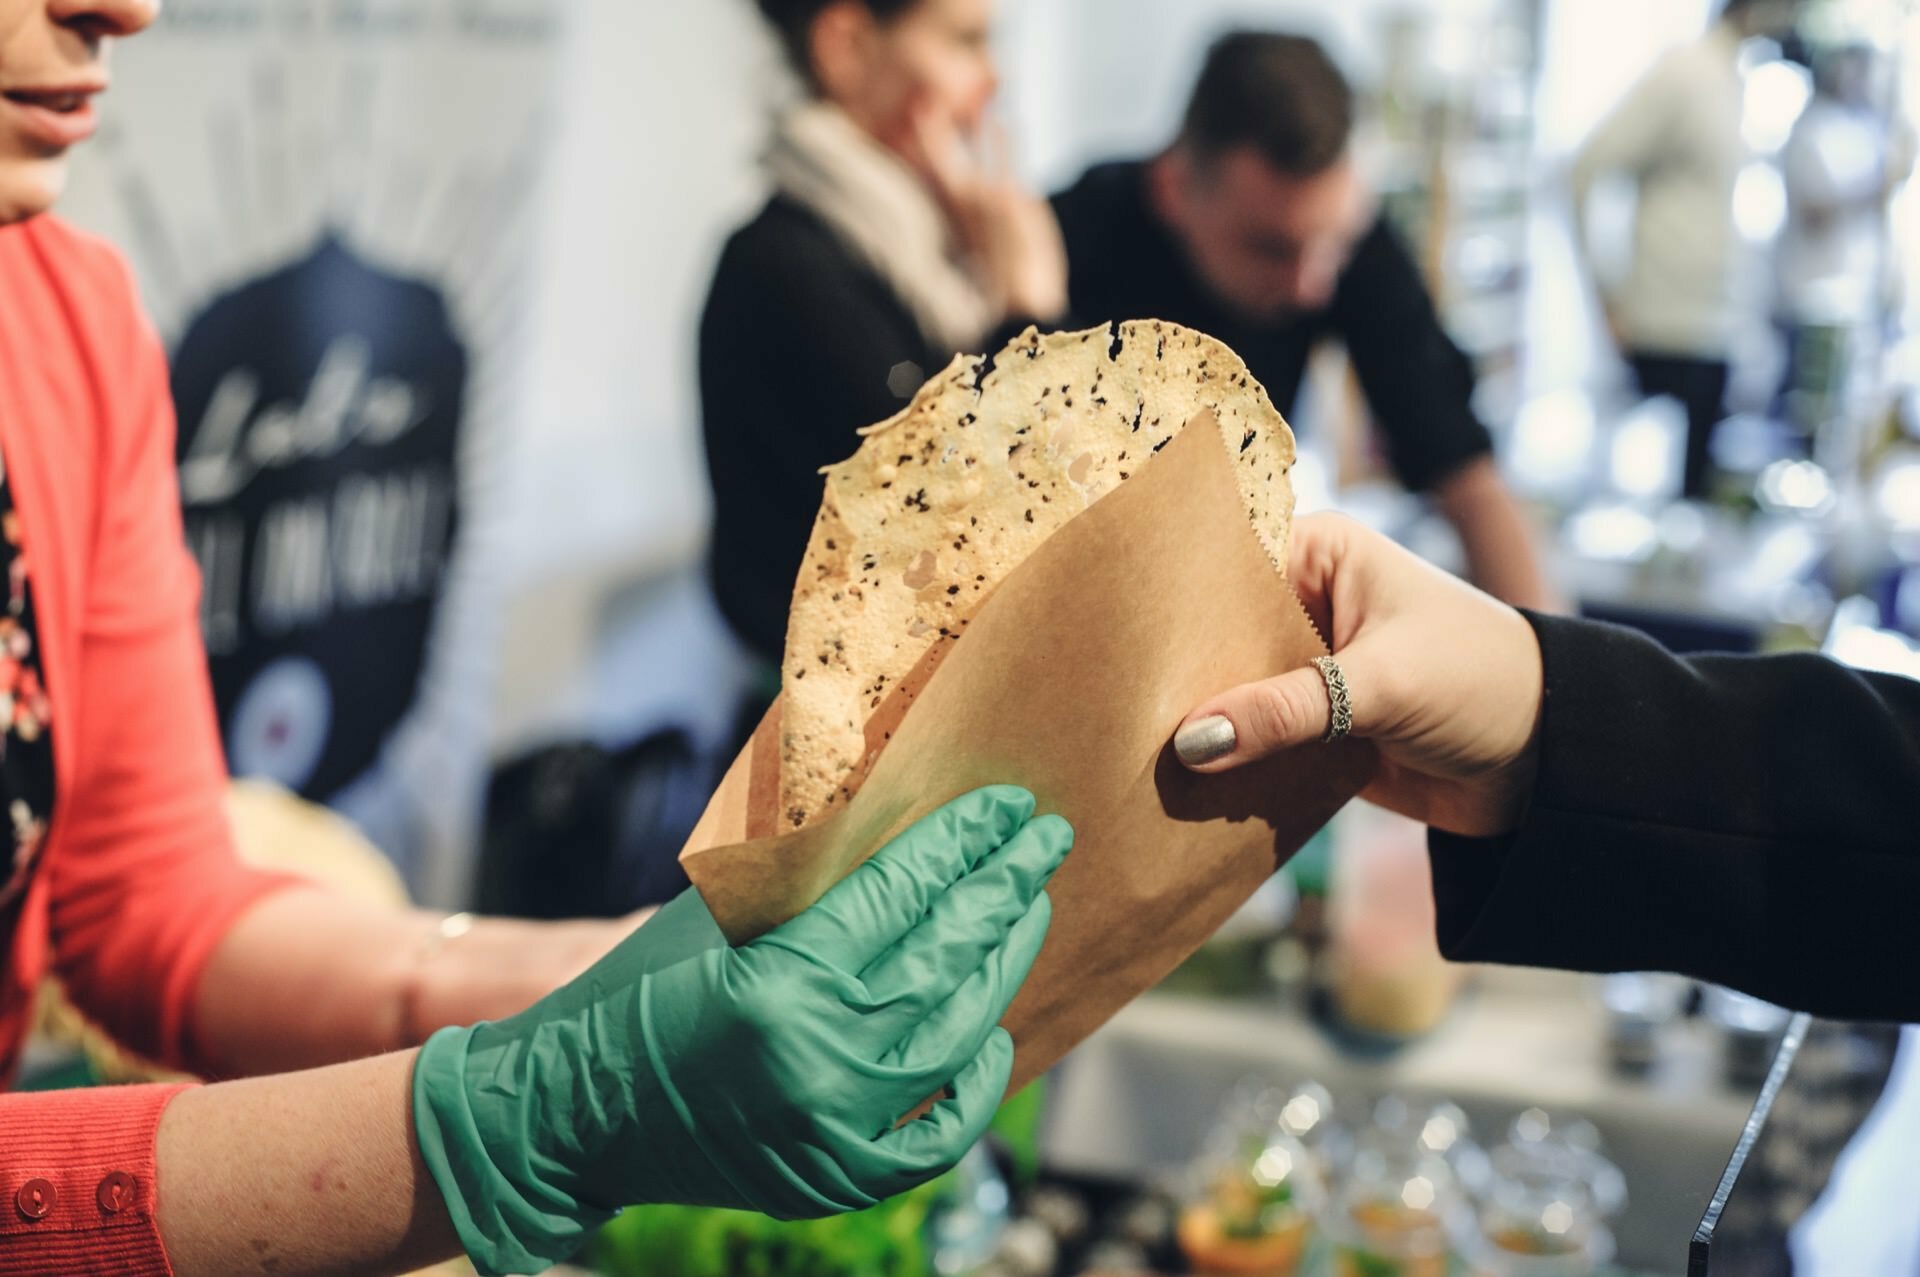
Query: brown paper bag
x,y
1071,682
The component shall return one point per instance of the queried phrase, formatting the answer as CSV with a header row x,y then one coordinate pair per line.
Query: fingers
x,y
1319,550
944,152
939,1045
966,926
875,906
1257,720
932,1145
1254,721
1338,570
996,152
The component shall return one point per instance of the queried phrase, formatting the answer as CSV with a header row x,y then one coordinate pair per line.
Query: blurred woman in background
x,y
894,240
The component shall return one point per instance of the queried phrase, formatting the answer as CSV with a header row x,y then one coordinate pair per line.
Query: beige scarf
x,y
884,214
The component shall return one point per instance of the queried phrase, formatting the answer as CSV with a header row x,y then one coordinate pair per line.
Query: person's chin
x,y
29,188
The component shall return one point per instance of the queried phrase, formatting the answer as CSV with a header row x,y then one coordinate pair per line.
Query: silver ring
x,y
1340,721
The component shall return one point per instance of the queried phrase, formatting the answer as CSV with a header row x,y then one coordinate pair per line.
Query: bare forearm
x,y
1498,538
311,978
306,1173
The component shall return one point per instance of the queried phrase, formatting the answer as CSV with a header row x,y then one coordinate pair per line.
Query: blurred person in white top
x,y
1676,139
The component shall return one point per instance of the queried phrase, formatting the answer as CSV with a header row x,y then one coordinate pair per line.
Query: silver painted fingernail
x,y
1204,740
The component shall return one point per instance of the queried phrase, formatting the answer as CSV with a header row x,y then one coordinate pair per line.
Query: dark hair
x,y
793,21
1280,94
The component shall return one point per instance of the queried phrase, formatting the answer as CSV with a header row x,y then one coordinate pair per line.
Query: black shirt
x,y
801,345
1125,264
1754,821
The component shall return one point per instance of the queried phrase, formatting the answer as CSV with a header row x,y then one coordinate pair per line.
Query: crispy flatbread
x,y
1149,579
942,502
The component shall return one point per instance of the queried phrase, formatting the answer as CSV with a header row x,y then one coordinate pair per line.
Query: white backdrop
x,y
664,104
242,136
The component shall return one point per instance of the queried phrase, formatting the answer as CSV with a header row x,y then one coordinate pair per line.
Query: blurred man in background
x,y
1676,139
1255,226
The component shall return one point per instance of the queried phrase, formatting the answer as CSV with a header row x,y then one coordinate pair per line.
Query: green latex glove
x,y
770,1077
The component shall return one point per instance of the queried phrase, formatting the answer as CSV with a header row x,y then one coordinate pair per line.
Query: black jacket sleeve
x,y
1753,821
801,345
1417,382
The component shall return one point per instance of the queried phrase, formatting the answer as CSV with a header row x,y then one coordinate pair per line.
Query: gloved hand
x,y
769,1077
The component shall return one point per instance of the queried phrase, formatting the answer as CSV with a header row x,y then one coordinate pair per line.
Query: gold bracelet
x,y
449,929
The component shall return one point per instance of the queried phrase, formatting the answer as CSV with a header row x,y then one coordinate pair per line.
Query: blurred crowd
x,y
1371,223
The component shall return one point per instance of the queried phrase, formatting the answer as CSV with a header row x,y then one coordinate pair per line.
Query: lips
x,y
57,117
61,100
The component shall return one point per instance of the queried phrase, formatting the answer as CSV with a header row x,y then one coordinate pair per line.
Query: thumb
x,y
1256,720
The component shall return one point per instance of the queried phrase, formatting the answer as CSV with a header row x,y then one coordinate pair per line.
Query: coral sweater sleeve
x,y
139,882
144,883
